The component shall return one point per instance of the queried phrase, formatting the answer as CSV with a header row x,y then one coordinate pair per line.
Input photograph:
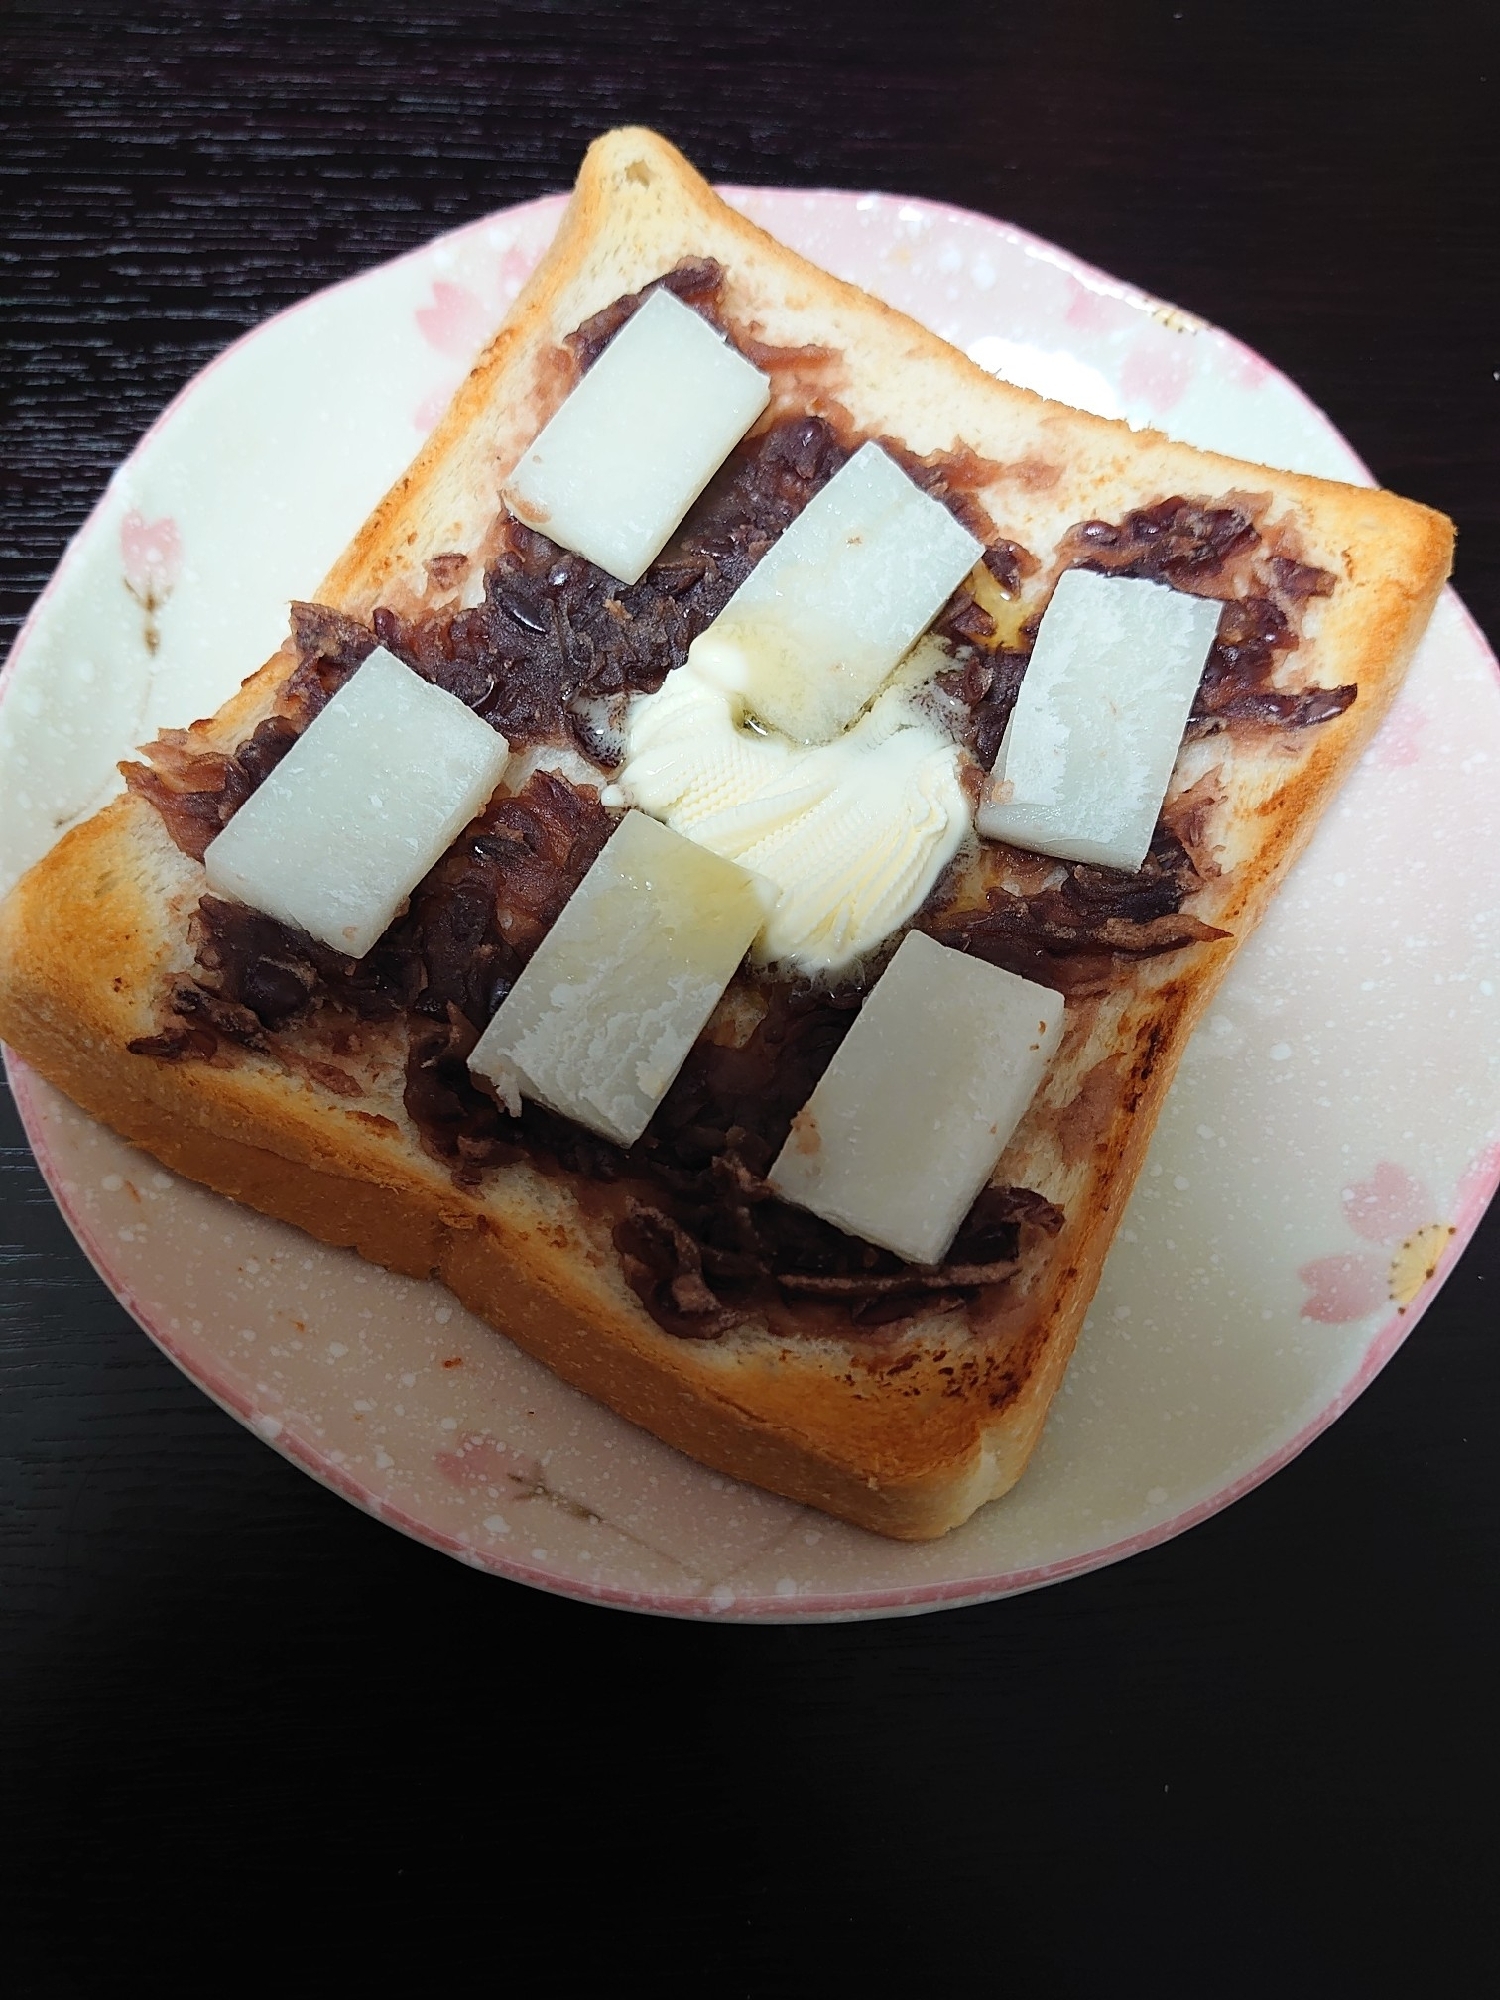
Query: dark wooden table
x,y
247,1733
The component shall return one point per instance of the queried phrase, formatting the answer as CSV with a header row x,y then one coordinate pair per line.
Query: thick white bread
x,y
907,1433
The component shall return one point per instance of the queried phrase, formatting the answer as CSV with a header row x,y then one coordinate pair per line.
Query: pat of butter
x,y
613,473
1088,753
852,834
600,1021
367,800
907,1122
824,617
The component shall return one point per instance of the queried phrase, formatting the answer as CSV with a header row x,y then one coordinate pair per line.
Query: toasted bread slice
x,y
907,1433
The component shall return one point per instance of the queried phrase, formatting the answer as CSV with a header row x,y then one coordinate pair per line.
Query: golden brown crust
x,y
904,1433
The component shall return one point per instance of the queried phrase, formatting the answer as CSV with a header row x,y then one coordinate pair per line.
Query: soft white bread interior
x,y
905,1434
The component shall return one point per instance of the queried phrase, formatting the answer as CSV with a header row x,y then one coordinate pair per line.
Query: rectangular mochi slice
x,y
614,472
367,800
908,1120
1089,749
823,618
600,1021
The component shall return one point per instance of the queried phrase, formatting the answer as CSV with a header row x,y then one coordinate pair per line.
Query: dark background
x,y
247,1734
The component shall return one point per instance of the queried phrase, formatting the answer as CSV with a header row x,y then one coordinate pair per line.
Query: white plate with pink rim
x,y
1330,1144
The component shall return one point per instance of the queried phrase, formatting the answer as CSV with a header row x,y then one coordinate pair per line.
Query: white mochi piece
x,y
613,473
823,618
1089,749
907,1122
599,1023
368,799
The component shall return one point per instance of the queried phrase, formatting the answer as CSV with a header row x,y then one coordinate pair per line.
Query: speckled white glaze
x,y
1334,1131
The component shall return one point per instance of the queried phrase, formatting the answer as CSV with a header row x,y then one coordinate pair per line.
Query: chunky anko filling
x,y
550,645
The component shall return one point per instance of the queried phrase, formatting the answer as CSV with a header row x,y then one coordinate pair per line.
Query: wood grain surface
x,y
249,1737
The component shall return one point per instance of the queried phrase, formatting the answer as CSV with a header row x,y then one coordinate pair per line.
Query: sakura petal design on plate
x,y
151,552
1344,1287
1197,1375
1399,743
1092,311
478,1459
454,323
1177,319
514,268
1248,369
433,404
1389,1205
1416,1261
1155,378
1393,1208
456,320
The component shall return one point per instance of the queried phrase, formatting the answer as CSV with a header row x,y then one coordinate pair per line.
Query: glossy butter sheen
x,y
600,1021
852,834
907,1122
368,799
639,438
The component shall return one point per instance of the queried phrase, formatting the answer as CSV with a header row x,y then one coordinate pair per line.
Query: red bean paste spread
x,y
553,642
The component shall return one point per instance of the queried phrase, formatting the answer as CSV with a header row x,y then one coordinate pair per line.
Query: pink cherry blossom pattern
x,y
1157,372
432,406
1342,1288
151,552
1089,311
480,1461
455,322
1251,371
514,268
1389,1205
1400,740
1394,1209
151,559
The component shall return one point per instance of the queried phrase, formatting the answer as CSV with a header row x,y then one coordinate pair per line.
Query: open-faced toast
x,y
317,1099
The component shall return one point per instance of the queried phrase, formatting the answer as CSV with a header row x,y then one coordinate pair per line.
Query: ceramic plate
x,y
1332,1139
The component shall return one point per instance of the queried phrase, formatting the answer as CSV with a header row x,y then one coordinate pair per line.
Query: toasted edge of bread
x,y
904,1434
